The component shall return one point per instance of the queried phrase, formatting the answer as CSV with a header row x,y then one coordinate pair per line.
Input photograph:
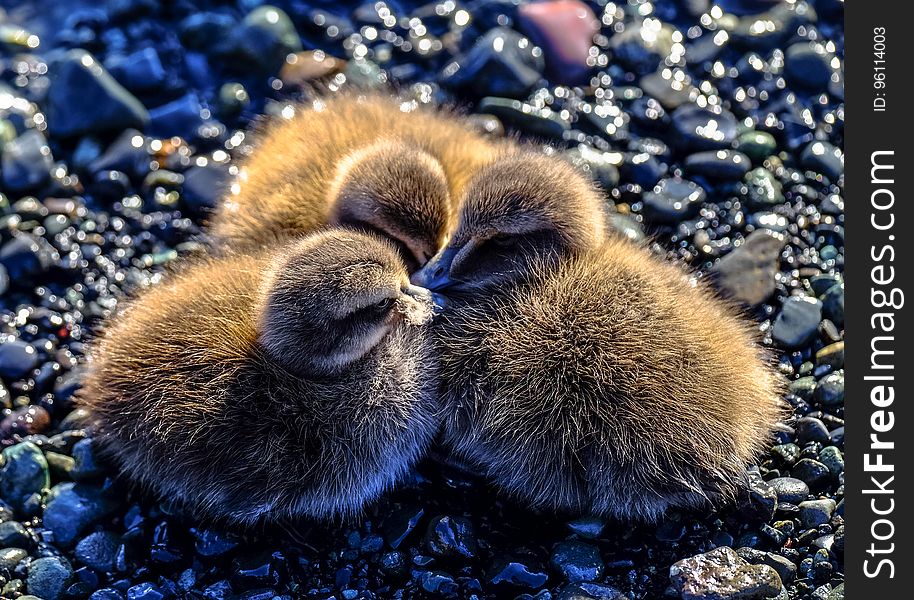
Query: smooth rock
x,y
534,121
830,390
26,162
24,472
702,128
501,63
797,323
577,561
564,29
762,188
747,274
516,574
824,158
26,256
673,200
452,537
720,165
204,186
790,489
264,39
816,512
72,508
84,98
17,359
814,473
49,577
722,575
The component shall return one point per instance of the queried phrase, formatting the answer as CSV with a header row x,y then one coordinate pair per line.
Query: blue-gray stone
x,y
700,128
74,507
747,273
17,359
24,472
98,551
789,489
673,200
26,162
797,323
816,512
84,98
577,561
49,577
501,63
721,165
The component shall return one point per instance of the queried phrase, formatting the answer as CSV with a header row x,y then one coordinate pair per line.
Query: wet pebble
x,y
723,165
72,508
515,574
24,472
17,359
501,63
49,577
747,274
824,158
816,512
797,322
84,98
577,561
98,551
26,162
451,537
264,39
704,129
539,122
814,473
830,390
564,29
721,573
790,489
673,200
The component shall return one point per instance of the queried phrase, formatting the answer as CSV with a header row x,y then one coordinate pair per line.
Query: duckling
x,y
521,207
580,372
256,388
358,161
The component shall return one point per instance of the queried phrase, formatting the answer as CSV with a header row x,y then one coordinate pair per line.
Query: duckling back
x,y
190,406
286,182
612,385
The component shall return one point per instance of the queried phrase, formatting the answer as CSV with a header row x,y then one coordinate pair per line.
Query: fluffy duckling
x,y
359,161
595,377
262,387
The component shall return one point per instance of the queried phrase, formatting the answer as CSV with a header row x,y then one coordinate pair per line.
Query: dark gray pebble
x,y
797,323
790,489
747,274
49,577
577,561
816,512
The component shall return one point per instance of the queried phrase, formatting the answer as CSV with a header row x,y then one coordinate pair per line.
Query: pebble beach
x,y
715,128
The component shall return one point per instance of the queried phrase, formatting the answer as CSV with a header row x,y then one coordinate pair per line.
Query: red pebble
x,y
564,29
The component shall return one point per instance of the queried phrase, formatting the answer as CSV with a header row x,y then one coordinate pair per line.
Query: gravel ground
x,y
715,128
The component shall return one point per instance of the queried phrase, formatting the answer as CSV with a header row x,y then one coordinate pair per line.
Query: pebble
x,y
72,508
814,473
757,145
790,489
673,200
831,457
502,63
808,65
810,429
84,98
704,129
824,158
833,304
298,69
720,574
589,591
763,189
26,162
747,274
24,472
830,390
785,568
452,537
564,29
11,557
516,575
49,577
204,186
26,256
816,512
17,359
831,355
98,551
14,535
722,165
264,39
797,322
538,122
577,561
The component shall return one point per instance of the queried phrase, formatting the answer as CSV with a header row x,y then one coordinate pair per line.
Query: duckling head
x,y
332,297
521,210
397,191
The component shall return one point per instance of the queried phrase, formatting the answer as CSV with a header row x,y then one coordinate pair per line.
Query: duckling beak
x,y
435,275
418,305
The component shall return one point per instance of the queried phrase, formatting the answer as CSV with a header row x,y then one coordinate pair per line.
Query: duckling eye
x,y
384,304
502,240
